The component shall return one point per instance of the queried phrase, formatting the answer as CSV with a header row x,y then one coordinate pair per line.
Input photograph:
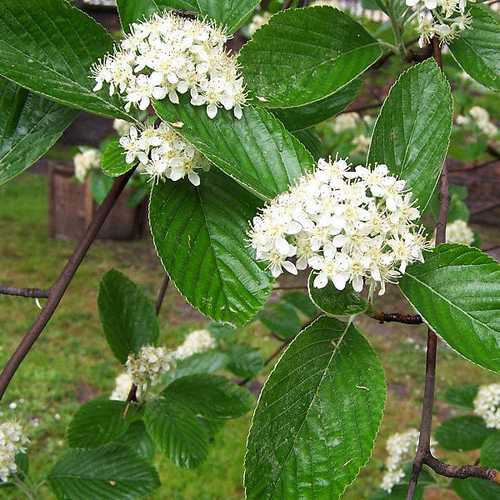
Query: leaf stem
x,y
408,319
60,286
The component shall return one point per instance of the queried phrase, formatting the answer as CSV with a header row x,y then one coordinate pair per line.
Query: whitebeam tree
x,y
237,199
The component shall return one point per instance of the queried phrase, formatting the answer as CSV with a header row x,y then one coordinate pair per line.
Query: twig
x,y
423,449
408,319
30,293
59,288
462,471
162,292
366,107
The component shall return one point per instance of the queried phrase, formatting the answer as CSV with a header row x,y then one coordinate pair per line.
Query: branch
x,y
162,292
59,288
408,319
30,293
424,441
463,471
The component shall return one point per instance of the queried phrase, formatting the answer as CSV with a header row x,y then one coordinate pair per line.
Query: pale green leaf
x,y
113,159
457,293
317,417
304,55
200,236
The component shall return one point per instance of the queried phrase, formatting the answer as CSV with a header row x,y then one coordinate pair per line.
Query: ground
x,y
71,362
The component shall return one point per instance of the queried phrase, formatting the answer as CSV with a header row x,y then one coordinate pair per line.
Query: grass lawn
x,y
71,362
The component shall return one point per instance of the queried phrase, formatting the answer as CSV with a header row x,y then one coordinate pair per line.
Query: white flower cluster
x,y
89,159
348,225
481,118
123,384
195,343
487,405
258,21
122,127
444,19
459,232
12,442
163,154
168,55
362,143
146,368
345,121
401,448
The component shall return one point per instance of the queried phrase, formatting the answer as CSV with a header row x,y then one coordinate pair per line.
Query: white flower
x,y
345,121
487,405
482,120
196,342
401,448
121,126
146,368
89,159
163,154
12,442
459,232
350,225
123,384
168,55
258,21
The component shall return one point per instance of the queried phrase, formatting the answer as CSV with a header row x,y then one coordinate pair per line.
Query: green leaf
x,y
203,362
490,450
476,489
476,50
113,159
301,301
49,46
100,186
210,396
257,151
317,417
304,55
128,317
139,440
111,472
336,302
303,117
99,422
29,126
245,361
457,293
132,11
200,236
463,433
229,13
177,432
462,395
281,318
412,132
311,141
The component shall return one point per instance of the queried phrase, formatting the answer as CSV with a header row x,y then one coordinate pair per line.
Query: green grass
x,y
71,362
